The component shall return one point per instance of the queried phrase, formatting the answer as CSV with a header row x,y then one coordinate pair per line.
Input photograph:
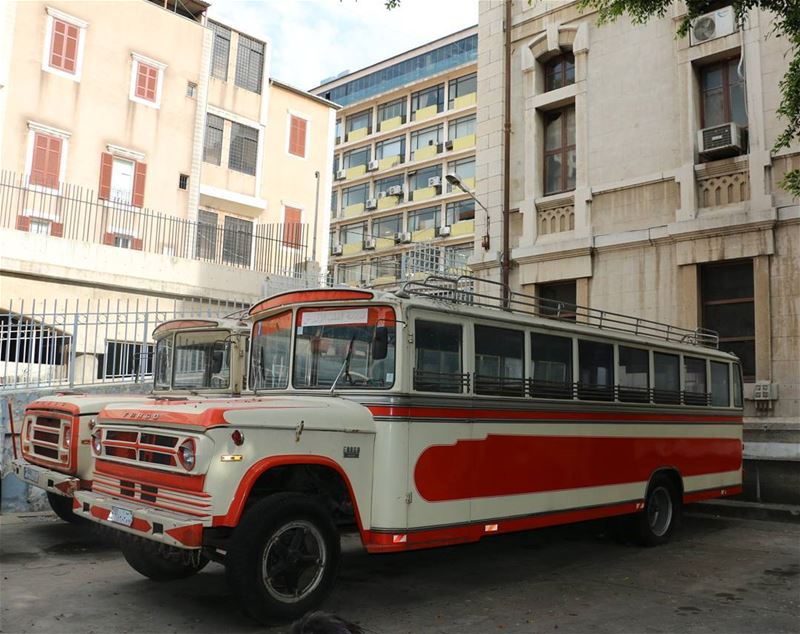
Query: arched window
x,y
559,71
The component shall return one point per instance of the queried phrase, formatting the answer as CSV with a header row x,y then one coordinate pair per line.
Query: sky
x,y
315,39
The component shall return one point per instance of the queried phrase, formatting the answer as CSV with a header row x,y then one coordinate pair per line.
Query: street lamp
x,y
455,180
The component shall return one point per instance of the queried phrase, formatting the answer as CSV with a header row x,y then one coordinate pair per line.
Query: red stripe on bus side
x,y
513,465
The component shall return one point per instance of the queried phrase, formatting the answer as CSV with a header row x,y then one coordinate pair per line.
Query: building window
x,y
353,234
221,51
334,203
723,94
298,127
338,131
361,123
383,184
423,218
356,158
249,63
461,87
123,358
237,241
425,138
391,110
183,181
191,89
559,151
63,54
244,149
352,274
391,148
146,79
432,98
459,128
45,167
559,72
728,308
355,195
421,178
465,169
122,180
387,227
456,258
292,227
460,210
559,299
212,147
206,248
388,267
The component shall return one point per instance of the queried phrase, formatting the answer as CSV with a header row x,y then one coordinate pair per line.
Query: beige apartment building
x,y
406,123
146,155
643,181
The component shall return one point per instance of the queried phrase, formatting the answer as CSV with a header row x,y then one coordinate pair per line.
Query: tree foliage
x,y
786,24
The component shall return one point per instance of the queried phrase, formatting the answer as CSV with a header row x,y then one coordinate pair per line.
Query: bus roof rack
x,y
473,291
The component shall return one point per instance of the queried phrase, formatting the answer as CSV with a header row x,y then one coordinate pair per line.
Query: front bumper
x,y
165,527
45,478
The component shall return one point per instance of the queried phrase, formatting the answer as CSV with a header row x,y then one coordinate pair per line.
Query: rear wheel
x,y
62,506
283,557
152,563
661,515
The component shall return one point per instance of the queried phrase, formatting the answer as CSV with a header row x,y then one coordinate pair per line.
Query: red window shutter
x,y
106,167
108,238
137,244
146,81
297,136
292,226
57,229
64,46
138,184
46,163
23,223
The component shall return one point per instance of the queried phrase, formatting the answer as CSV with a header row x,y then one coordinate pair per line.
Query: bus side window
x,y
438,358
720,385
737,385
551,357
667,385
596,371
499,361
634,375
694,391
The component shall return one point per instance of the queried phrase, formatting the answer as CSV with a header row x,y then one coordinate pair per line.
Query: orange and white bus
x,y
422,418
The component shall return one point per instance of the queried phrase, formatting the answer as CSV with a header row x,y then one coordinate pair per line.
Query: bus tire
x,y
149,562
62,506
661,515
283,557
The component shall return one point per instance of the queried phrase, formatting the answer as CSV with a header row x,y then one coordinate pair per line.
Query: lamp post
x,y
455,180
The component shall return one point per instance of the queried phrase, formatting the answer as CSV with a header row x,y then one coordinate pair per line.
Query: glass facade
x,y
431,63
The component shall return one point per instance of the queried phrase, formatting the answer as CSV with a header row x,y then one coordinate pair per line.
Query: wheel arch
x,y
673,474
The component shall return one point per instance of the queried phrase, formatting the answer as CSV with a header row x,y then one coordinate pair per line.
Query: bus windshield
x,y
354,347
194,361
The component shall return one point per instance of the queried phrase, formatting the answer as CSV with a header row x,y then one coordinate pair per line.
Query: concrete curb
x,y
747,510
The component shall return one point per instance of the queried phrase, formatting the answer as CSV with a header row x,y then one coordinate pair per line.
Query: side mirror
x,y
380,344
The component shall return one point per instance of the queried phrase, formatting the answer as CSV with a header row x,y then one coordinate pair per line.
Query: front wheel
x,y
150,562
62,506
662,512
283,557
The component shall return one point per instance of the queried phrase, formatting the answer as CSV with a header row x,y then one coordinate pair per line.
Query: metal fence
x,y
76,213
68,343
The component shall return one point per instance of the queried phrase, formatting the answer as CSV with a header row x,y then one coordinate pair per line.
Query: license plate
x,y
31,475
120,516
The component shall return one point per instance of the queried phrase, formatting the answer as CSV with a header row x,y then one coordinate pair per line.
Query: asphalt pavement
x,y
719,574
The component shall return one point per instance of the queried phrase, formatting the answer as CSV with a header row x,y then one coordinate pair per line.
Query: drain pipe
x,y
506,263
316,217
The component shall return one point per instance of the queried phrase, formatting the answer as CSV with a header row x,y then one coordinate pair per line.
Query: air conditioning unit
x,y
712,25
403,236
372,203
444,231
395,190
369,243
439,148
382,195
341,175
721,140
448,145
336,250
435,181
372,166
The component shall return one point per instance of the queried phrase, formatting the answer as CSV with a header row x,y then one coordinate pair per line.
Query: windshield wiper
x,y
345,366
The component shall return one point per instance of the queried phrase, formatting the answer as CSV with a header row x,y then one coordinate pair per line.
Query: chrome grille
x,y
48,437
140,447
195,503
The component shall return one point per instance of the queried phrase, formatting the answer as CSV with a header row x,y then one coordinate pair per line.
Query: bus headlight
x,y
97,442
186,454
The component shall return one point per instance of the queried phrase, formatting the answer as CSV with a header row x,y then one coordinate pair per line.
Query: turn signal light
x,y
237,437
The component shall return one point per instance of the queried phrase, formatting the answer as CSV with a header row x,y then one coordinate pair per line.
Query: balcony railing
x,y
75,213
